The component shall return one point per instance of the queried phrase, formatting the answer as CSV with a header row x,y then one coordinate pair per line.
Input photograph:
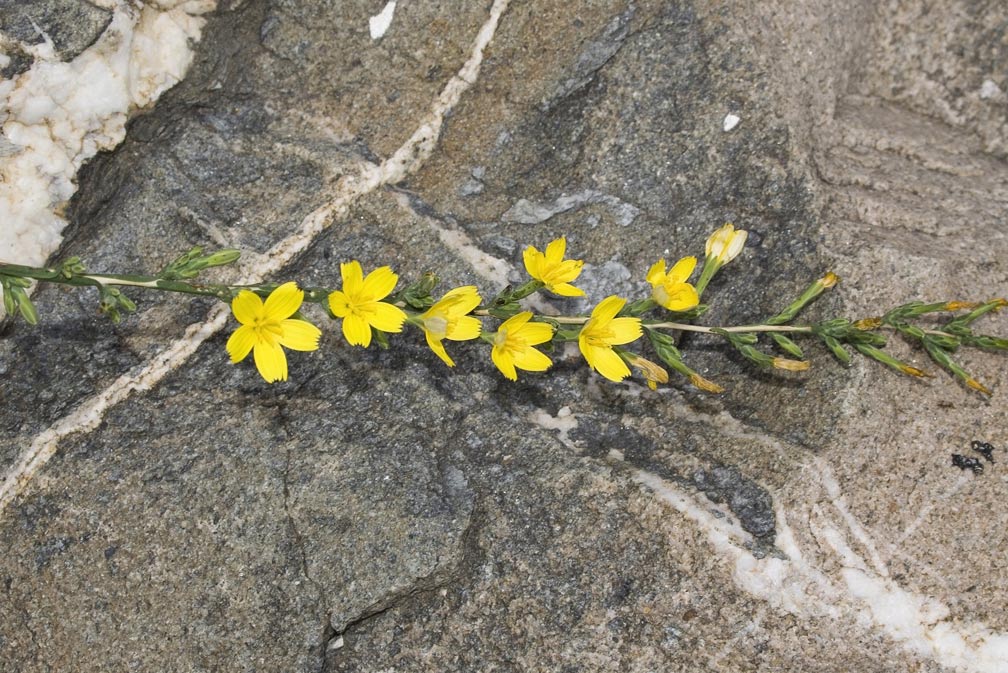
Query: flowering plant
x,y
370,309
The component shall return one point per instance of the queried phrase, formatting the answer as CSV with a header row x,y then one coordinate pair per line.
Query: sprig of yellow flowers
x,y
370,309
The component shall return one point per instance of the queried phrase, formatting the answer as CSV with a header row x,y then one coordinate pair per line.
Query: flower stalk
x,y
370,310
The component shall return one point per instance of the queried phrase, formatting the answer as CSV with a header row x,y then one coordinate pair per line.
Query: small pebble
x,y
986,449
967,463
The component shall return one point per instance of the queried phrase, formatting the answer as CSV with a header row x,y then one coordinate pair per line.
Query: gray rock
x,y
72,25
380,511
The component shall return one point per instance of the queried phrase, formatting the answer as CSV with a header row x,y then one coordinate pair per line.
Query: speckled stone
x,y
382,512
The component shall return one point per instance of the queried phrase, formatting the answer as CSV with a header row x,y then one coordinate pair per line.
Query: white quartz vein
x,y
57,115
380,22
407,159
860,593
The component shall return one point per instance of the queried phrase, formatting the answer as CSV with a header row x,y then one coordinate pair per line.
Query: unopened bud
x,y
427,283
222,257
725,244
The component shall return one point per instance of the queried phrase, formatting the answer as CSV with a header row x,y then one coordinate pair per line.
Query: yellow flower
x,y
449,319
359,303
265,327
512,345
603,331
552,270
726,243
671,289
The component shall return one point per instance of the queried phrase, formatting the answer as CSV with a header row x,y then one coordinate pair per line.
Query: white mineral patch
x,y
730,122
58,114
380,22
989,89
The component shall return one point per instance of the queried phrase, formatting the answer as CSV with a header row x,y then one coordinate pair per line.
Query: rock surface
x,y
382,512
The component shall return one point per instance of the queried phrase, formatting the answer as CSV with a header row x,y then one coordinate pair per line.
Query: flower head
x,y
513,345
552,270
448,319
726,243
603,331
359,303
267,328
671,289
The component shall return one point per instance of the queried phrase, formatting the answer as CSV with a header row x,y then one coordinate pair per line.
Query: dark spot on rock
x,y
967,463
747,500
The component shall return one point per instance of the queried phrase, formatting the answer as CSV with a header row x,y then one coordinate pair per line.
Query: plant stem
x,y
223,292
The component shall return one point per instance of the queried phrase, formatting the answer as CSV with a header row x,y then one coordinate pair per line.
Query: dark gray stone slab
x,y
72,25
380,511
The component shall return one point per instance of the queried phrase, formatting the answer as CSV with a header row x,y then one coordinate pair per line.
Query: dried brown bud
x,y
866,324
976,385
913,371
790,365
703,384
829,280
960,305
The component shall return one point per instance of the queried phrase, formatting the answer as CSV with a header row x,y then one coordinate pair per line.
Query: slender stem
x,y
223,292
686,327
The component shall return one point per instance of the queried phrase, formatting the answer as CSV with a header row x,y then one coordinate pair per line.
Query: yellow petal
x,y
717,241
736,244
512,324
566,290
283,302
681,297
608,308
567,271
379,284
505,363
271,362
246,306
656,274
241,342
463,299
356,330
339,303
299,335
682,270
607,363
624,330
439,349
532,360
534,333
352,277
533,262
465,328
555,251
386,317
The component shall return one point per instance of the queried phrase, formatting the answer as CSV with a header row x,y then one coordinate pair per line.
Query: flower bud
x,y
726,243
222,257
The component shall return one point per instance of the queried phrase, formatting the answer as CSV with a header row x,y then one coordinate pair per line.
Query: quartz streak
x,y
59,114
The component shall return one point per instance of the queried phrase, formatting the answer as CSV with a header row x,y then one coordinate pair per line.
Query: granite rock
x,y
380,511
